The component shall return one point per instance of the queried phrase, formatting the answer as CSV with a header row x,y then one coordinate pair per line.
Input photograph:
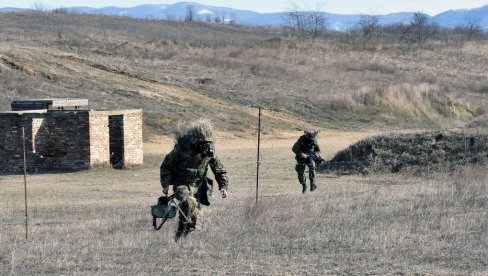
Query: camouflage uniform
x,y
306,145
185,167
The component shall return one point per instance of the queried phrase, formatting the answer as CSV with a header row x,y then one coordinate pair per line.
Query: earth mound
x,y
415,153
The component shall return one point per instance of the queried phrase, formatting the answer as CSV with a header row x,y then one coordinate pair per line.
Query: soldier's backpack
x,y
163,210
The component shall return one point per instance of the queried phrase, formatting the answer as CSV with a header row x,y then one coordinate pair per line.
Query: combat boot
x,y
182,231
304,185
312,185
192,225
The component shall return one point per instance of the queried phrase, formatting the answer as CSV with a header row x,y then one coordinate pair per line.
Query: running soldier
x,y
186,167
307,153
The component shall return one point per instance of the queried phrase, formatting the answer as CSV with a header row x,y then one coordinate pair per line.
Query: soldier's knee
x,y
192,202
182,193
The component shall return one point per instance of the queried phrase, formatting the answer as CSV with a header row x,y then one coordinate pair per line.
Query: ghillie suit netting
x,y
415,153
193,133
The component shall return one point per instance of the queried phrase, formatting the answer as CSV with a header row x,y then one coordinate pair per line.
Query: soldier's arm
x,y
166,168
220,173
317,149
296,146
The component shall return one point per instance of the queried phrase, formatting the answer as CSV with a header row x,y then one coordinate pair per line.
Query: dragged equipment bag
x,y
163,210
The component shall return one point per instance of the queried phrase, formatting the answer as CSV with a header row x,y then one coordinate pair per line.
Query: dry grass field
x,y
189,69
97,222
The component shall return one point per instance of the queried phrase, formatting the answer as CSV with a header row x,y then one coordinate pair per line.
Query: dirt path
x,y
177,102
330,142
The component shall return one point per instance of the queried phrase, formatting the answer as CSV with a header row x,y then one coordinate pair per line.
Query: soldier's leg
x,y
311,176
183,195
300,169
193,210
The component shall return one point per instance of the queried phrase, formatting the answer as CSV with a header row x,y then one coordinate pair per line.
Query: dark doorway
x,y
116,139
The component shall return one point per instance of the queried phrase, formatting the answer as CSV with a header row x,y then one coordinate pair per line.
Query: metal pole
x,y
259,157
465,144
25,186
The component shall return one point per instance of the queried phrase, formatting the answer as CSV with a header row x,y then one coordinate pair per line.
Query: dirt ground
x,y
97,222
332,142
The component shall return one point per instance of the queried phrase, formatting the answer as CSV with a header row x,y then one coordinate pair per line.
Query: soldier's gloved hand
x,y
304,156
224,193
166,190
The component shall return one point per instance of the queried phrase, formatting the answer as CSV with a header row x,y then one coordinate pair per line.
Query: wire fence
x,y
12,140
271,172
267,163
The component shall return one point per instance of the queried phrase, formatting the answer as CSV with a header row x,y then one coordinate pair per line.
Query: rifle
x,y
314,159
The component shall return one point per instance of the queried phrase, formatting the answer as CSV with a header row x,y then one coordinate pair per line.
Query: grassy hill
x,y
177,70
98,221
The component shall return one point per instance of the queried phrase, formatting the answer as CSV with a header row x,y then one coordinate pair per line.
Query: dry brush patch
x,y
421,103
419,153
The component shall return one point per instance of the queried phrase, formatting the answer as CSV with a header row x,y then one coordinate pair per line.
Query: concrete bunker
x,y
63,134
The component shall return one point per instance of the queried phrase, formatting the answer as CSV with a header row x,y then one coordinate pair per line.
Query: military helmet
x,y
311,133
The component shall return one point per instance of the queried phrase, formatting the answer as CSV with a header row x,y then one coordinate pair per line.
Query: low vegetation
x,y
98,222
414,153
340,80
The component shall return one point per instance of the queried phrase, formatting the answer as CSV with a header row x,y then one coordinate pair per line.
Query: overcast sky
x,y
431,7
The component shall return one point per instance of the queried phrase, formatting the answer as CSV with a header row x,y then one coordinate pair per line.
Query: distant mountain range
x,y
339,22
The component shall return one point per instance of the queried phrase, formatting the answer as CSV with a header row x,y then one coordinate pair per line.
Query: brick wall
x,y
10,142
63,141
132,136
99,140
133,146
72,140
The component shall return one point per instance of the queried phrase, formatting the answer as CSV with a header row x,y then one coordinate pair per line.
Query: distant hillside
x,y
463,17
183,70
338,22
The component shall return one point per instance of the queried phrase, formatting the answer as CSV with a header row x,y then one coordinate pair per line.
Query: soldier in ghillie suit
x,y
307,153
186,167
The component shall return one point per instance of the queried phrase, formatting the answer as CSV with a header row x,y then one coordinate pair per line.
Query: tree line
x,y
311,24
420,28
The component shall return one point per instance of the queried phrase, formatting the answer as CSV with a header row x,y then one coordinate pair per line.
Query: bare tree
x,y
470,29
367,30
223,17
421,28
295,22
60,10
208,18
171,17
311,23
40,7
190,13
232,19
368,26
317,23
